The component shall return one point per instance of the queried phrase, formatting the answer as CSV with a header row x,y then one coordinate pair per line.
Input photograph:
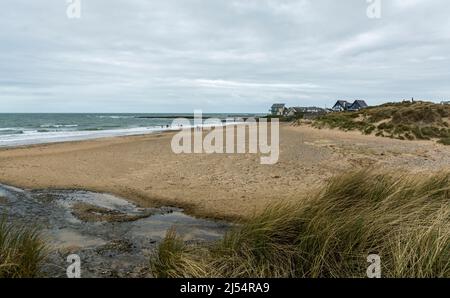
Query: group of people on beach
x,y
198,128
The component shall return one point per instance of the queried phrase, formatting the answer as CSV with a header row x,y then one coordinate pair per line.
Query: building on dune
x,y
278,109
305,112
343,105
340,106
294,111
358,105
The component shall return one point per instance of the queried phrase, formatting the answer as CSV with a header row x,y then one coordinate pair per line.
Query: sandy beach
x,y
144,169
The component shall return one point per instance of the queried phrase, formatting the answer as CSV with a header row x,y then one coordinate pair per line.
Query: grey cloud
x,y
219,55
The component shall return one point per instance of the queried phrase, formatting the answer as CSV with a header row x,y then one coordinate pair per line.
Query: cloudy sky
x,y
219,55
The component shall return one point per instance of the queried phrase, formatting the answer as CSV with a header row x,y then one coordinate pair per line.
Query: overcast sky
x,y
219,55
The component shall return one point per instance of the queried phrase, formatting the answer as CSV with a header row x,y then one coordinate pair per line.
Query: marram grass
x,y
405,219
22,252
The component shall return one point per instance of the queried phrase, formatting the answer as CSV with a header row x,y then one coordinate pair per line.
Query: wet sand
x,y
144,169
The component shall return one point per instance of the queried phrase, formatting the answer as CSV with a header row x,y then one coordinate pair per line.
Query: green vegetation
x,y
445,141
404,121
22,252
175,259
404,219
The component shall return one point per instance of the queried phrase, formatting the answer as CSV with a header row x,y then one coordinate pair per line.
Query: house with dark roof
x,y
341,105
445,103
358,105
297,111
278,109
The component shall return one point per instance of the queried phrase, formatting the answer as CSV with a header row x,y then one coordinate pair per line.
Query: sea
x,y
30,129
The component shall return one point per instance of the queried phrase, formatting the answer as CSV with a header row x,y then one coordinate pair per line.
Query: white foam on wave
x,y
58,125
33,137
115,117
10,128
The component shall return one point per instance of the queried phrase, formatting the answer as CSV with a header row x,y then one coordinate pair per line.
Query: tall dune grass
x,y
404,219
22,252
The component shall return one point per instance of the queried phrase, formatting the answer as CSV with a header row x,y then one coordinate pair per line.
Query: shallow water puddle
x,y
112,236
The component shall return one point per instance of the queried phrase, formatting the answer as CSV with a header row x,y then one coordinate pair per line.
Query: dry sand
x,y
144,169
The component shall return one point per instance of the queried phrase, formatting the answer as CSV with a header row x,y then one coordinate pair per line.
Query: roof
x,y
307,109
278,105
342,103
298,109
361,103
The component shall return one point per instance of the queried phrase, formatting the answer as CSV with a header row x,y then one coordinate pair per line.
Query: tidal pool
x,y
112,236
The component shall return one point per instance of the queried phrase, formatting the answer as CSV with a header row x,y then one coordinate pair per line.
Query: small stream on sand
x,y
112,236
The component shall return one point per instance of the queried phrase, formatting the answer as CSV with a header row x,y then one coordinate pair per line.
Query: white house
x,y
341,105
278,109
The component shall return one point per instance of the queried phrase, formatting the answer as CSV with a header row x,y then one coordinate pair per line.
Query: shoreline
x,y
115,134
232,187
30,146
18,136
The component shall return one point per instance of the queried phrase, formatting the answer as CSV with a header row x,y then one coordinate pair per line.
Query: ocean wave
x,y
92,129
11,131
115,117
42,136
30,137
58,125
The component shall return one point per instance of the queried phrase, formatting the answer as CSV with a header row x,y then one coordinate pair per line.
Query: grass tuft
x,y
175,259
404,219
22,251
